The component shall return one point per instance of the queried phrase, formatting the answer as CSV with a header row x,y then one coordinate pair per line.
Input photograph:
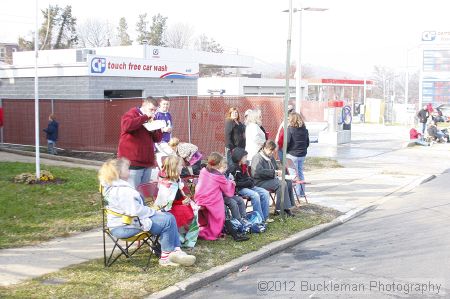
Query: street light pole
x,y
298,81
36,94
287,94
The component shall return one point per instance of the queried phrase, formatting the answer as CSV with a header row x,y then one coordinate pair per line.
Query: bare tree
x,y
384,79
204,43
95,33
179,36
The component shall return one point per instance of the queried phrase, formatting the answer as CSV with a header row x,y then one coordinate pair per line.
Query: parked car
x,y
445,109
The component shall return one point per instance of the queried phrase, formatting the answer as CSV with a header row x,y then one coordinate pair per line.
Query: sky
x,y
351,36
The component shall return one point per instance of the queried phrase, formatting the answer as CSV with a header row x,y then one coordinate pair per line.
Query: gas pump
x,y
339,118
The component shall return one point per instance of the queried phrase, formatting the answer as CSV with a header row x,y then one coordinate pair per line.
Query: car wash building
x,y
88,90
111,72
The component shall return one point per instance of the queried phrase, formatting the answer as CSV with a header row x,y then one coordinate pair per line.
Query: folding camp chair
x,y
190,182
144,240
246,198
148,190
291,169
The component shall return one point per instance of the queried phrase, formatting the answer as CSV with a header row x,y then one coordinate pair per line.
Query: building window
x,y
120,94
2,53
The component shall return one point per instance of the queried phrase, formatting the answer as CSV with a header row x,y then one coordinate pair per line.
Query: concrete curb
x,y
199,280
53,157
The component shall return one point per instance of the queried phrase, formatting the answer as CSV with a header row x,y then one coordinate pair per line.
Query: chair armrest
x,y
126,219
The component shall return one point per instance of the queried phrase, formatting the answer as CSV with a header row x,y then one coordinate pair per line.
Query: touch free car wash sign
x,y
132,67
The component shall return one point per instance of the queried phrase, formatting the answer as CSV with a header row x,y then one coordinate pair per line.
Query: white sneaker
x,y
182,258
269,220
167,262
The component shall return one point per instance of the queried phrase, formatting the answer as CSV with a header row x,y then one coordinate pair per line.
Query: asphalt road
x,y
399,250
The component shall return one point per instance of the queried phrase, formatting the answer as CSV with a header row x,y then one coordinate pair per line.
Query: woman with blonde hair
x,y
122,198
234,132
254,135
297,146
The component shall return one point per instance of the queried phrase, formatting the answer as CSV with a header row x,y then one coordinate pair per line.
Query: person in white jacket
x,y
254,136
122,198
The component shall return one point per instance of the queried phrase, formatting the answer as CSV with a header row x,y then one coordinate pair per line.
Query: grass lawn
x,y
313,163
34,213
124,280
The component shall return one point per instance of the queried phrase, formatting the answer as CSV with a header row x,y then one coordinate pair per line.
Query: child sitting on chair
x,y
212,186
171,198
245,184
122,198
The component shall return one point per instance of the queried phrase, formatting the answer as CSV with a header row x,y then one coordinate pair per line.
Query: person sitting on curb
x,y
435,133
417,138
123,198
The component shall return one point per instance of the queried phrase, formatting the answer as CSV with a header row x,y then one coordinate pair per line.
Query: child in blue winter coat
x,y
52,134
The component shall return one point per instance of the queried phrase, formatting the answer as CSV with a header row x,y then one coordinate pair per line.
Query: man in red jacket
x,y
136,143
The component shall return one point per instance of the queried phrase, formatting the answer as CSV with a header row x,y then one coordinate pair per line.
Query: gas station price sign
x,y
436,60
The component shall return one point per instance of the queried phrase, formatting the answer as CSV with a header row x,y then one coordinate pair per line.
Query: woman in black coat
x,y
234,132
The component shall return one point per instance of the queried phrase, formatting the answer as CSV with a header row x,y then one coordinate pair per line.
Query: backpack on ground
x,y
256,221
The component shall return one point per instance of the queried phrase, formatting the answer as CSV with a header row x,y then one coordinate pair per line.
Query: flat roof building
x,y
111,72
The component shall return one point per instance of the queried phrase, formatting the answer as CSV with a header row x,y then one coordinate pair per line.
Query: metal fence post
x,y
53,107
189,117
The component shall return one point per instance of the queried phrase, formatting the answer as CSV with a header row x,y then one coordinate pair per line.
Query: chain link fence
x,y
94,125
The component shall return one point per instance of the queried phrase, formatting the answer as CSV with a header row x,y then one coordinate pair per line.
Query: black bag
x,y
230,230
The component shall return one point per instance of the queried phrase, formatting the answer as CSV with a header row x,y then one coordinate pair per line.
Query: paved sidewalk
x,y
11,157
18,264
384,169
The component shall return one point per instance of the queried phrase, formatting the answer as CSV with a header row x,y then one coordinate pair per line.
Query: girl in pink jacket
x,y
212,186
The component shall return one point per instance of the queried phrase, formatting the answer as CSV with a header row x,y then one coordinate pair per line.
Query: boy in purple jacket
x,y
164,114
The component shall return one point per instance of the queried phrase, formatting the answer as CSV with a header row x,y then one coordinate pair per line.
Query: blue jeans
x,y
424,126
298,162
139,176
163,224
280,154
260,199
420,142
440,135
51,147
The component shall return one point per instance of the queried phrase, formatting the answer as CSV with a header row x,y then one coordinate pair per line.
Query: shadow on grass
x,y
125,280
